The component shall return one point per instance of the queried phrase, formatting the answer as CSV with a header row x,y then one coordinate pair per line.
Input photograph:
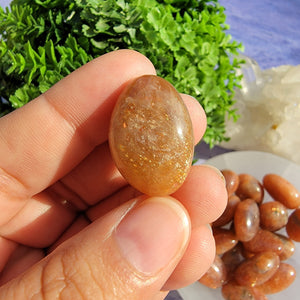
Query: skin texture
x,y
68,218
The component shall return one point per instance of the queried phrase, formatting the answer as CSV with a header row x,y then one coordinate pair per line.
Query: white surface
x,y
267,103
257,164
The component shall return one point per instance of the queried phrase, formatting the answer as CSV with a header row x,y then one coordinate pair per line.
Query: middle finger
x,y
203,194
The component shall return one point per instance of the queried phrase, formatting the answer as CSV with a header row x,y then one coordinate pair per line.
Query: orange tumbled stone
x,y
151,136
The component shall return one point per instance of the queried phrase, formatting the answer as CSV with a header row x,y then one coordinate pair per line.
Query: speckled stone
x,y
151,136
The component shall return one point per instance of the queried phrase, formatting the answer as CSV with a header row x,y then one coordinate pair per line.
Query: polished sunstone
x,y
151,136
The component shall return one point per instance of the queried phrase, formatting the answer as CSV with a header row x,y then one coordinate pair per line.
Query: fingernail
x,y
218,172
152,234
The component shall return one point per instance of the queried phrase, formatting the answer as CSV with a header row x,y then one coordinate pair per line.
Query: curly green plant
x,y
41,41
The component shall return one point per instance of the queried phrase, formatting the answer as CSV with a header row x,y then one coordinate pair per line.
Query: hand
x,y
70,226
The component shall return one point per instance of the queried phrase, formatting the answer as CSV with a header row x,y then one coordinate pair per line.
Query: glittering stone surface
x,y
151,136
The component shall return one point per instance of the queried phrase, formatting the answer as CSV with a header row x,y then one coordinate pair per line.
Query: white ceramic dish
x,y
257,164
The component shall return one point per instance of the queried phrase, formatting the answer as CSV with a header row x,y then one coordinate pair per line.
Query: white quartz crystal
x,y
269,107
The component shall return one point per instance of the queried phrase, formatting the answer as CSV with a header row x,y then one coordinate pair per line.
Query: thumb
x,y
127,254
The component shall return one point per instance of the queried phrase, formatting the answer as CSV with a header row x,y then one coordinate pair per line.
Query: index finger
x,y
45,139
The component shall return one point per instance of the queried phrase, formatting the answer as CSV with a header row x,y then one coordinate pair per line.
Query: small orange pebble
x,y
234,291
246,220
233,258
248,242
250,187
225,240
216,275
246,253
273,215
293,225
232,181
264,241
257,270
288,247
281,280
282,190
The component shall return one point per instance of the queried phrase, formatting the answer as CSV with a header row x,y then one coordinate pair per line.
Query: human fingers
x,y
97,177
79,224
106,205
196,260
203,194
197,115
6,249
115,257
39,222
15,259
51,134
19,261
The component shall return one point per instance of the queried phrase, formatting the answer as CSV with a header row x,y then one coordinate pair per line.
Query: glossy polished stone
x,y
258,269
293,225
151,136
281,280
246,220
233,291
282,190
273,215
288,247
264,241
225,240
216,275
